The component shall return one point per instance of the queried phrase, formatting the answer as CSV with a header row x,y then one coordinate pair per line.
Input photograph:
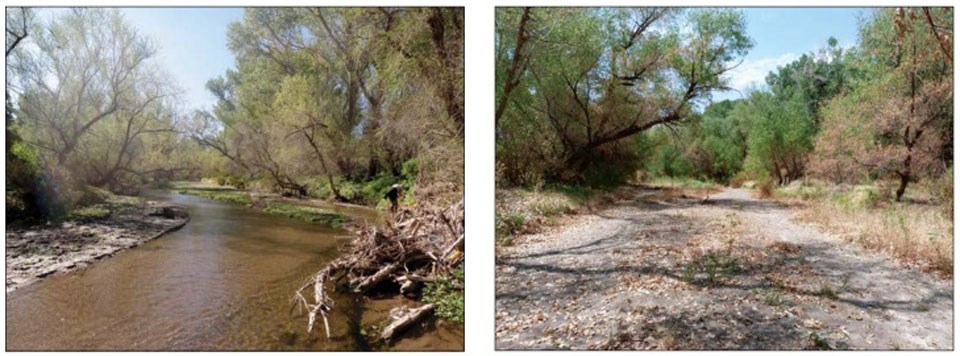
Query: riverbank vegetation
x,y
335,104
600,98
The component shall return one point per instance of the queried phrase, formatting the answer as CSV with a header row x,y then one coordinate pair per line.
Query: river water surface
x,y
222,282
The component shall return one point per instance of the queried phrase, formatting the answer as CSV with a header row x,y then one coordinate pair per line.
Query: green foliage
x,y
90,213
306,213
574,115
776,299
318,94
447,293
241,198
781,135
895,120
369,192
609,172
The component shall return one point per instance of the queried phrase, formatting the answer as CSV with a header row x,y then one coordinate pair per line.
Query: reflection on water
x,y
224,281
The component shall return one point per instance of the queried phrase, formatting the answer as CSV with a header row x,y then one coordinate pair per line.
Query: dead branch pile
x,y
411,248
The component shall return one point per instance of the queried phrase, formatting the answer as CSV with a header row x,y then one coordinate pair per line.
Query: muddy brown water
x,y
222,282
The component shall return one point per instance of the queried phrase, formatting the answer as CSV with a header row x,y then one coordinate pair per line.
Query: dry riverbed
x,y
37,252
732,272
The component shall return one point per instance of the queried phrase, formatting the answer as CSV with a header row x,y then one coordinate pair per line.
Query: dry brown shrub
x,y
766,189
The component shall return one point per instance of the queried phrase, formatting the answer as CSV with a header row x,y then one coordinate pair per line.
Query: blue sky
x,y
191,45
781,35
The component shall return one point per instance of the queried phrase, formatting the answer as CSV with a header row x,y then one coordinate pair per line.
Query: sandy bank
x,y
37,252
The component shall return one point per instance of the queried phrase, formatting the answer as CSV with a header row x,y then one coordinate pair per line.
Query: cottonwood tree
x,y
353,92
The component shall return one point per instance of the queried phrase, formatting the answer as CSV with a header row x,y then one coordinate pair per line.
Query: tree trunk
x,y
323,165
904,180
513,73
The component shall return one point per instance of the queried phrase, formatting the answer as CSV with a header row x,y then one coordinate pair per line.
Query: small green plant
x,y
775,298
90,213
688,274
577,193
309,214
102,211
711,266
224,196
447,293
819,343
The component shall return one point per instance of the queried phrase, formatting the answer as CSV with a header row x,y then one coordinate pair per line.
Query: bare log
x,y
404,322
376,278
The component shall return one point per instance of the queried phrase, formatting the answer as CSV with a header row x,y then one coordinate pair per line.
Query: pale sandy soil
x,y
732,273
38,252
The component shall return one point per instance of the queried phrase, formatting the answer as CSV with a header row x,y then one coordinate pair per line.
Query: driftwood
x,y
412,247
378,277
403,322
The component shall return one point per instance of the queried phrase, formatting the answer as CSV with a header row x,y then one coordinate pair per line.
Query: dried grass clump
x,y
917,234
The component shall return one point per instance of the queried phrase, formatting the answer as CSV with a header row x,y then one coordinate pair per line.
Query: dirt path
x,y
732,273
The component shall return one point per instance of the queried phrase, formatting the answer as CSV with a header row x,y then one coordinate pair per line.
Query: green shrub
x,y
410,169
710,266
369,192
374,189
447,293
103,210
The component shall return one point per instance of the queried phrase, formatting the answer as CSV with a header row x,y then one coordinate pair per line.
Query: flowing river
x,y
224,281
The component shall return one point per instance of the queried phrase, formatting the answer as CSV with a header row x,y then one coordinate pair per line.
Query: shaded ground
x,y
731,273
37,252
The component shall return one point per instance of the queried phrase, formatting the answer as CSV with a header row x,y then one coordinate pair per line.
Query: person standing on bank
x,y
393,195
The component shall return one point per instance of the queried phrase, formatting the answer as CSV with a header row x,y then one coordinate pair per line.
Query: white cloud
x,y
754,72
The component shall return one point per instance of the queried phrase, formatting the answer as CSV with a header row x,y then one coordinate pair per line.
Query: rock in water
x,y
167,212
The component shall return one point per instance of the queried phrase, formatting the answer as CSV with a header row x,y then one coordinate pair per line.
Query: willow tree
x,y
593,77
